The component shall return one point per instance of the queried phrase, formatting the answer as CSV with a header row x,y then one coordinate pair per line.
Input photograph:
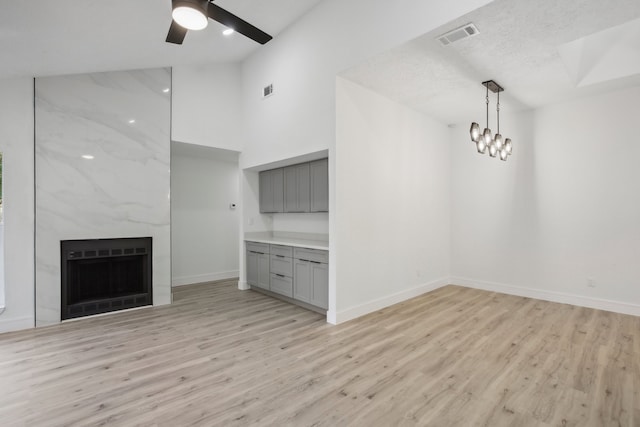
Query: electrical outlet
x,y
591,282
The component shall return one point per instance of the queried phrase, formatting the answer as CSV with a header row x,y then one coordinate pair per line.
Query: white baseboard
x,y
380,303
10,325
560,297
243,286
201,278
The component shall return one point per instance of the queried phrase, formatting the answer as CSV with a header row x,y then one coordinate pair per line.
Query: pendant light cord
x,y
487,102
498,111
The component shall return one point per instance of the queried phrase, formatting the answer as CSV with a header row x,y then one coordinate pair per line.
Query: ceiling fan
x,y
195,14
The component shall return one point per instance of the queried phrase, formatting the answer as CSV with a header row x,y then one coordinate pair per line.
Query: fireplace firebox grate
x,y
103,275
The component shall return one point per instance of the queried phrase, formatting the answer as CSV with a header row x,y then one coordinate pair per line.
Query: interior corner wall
x,y
206,105
392,202
204,228
303,61
560,220
16,144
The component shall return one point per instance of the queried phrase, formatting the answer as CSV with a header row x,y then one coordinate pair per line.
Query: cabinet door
x,y
271,191
265,192
296,188
320,284
302,280
319,175
277,182
252,268
263,271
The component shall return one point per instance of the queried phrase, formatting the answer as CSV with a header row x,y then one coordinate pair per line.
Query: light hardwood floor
x,y
219,356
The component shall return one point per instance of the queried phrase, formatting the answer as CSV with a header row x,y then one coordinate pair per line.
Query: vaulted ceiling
x,y
541,52
45,37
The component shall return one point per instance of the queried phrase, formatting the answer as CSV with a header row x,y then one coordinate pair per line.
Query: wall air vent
x,y
468,30
267,91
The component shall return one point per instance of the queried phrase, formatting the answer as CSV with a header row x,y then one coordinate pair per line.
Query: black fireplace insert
x,y
102,275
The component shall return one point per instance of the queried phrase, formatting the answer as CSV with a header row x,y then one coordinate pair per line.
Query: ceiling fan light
x,y
475,132
191,14
508,146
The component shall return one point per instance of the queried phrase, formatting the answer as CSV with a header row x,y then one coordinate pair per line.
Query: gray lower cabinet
x,y
311,277
298,273
281,269
258,271
282,284
311,282
271,191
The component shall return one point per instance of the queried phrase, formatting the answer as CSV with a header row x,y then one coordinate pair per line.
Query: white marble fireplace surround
x,y
122,119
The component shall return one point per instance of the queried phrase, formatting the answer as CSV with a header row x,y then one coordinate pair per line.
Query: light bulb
x,y
487,136
475,132
498,140
508,146
503,154
481,146
493,150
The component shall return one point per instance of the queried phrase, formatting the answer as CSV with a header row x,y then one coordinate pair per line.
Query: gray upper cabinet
x,y
319,180
271,191
296,188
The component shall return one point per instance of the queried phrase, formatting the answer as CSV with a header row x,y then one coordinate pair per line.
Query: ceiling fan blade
x,y
176,33
232,21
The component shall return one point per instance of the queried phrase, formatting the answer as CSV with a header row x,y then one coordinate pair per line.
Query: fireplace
x,y
103,275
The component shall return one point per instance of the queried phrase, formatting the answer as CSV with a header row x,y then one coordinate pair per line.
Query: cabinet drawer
x,y
281,285
281,265
314,255
282,250
258,247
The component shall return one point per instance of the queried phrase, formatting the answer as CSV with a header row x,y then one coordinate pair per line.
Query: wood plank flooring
x,y
220,356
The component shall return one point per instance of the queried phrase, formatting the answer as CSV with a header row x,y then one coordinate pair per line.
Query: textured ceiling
x,y
519,47
49,37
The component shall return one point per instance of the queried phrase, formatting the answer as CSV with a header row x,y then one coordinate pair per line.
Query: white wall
x,y
392,202
302,63
16,144
316,223
563,210
206,105
204,229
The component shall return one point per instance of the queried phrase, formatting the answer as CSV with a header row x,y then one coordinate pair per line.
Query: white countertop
x,y
288,241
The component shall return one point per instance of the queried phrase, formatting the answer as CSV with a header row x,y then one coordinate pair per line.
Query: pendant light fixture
x,y
496,145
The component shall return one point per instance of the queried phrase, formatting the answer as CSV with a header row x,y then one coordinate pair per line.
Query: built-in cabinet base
x,y
295,273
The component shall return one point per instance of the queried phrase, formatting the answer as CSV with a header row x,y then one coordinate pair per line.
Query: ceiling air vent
x,y
267,91
458,34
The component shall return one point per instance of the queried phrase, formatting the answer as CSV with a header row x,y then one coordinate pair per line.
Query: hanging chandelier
x,y
485,141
